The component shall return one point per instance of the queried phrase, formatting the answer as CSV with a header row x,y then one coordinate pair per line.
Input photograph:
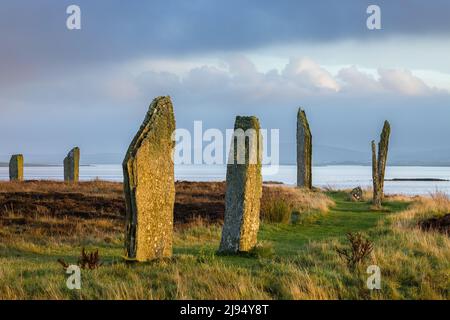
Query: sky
x,y
91,87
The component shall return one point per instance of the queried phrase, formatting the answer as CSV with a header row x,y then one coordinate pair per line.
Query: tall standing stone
x,y
244,187
304,151
149,185
379,164
72,166
16,168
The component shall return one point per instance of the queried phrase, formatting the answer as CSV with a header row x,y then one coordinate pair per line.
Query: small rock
x,y
357,194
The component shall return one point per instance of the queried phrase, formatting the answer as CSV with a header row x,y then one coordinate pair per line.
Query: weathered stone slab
x,y
304,151
72,165
379,164
149,185
244,187
16,168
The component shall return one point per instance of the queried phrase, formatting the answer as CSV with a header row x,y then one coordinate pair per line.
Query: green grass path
x,y
345,216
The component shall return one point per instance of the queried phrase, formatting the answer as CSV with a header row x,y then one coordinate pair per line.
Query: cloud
x,y
403,82
393,81
358,81
308,74
237,80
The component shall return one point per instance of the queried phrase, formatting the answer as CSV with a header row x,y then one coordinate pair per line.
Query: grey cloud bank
x,y
34,31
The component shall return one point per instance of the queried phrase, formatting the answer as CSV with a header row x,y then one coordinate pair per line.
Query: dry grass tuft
x,y
279,203
435,205
199,201
52,211
97,187
96,209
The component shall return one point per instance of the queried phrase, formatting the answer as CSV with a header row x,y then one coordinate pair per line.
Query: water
x,y
333,176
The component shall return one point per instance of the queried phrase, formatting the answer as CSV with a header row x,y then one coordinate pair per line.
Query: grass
x,y
292,261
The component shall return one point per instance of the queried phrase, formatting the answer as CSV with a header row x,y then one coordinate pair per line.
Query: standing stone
x,y
379,164
16,168
244,187
72,165
304,151
149,185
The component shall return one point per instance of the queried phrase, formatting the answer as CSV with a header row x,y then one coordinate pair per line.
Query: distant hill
x,y
33,160
328,155
431,157
4,164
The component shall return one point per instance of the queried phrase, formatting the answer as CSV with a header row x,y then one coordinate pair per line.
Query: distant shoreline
x,y
417,180
32,165
343,164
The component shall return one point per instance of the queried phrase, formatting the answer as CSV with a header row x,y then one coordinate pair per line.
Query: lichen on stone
x,y
16,168
243,192
149,185
72,165
379,164
304,151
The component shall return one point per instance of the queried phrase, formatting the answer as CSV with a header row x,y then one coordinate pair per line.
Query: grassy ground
x,y
293,261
